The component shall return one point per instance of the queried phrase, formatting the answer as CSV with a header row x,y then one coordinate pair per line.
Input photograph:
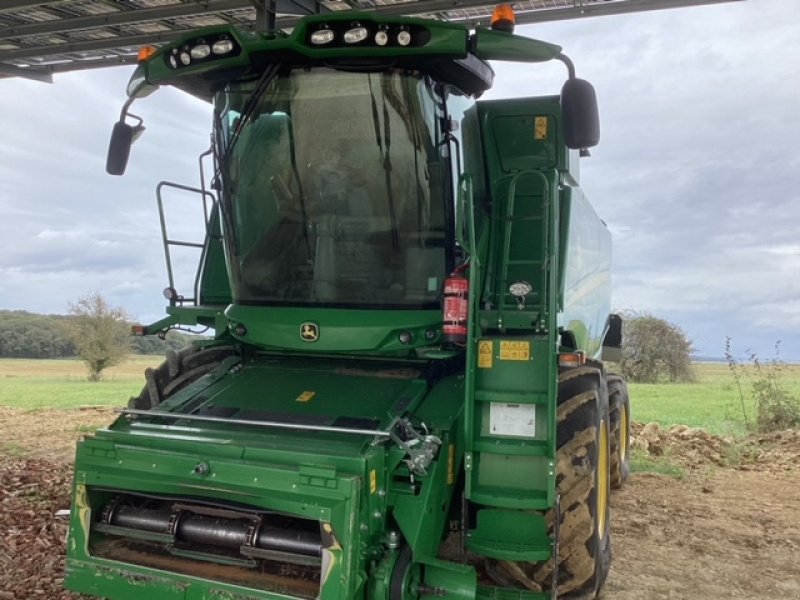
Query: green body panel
x,y
446,40
366,424
214,286
498,45
348,481
339,330
586,282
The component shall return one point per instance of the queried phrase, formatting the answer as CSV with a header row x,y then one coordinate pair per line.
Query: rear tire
x,y
178,370
582,482
619,409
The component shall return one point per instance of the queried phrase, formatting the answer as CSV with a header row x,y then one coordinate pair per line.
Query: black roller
x,y
224,532
286,540
146,519
229,533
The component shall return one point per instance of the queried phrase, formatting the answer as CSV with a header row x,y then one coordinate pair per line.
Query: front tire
x,y
178,370
582,480
619,408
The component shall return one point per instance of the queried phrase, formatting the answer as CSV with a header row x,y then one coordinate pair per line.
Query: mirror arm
x,y
566,60
124,112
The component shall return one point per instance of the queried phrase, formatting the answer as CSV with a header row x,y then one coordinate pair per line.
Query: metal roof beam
x,y
7,70
580,8
11,5
92,45
34,73
123,17
597,9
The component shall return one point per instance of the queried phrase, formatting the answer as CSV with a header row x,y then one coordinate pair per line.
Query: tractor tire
x,y
178,370
619,418
582,480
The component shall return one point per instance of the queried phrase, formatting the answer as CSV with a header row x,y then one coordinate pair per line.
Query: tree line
x,y
30,335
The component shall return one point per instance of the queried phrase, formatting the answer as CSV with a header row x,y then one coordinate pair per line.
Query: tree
x,y
654,350
100,332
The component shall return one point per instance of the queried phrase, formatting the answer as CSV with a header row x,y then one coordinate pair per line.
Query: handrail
x,y
168,242
509,216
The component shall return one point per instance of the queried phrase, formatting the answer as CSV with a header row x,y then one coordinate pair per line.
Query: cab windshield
x,y
334,189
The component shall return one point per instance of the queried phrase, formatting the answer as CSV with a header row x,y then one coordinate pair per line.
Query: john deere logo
x,y
309,332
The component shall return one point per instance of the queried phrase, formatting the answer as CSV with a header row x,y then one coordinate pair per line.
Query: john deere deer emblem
x,y
309,332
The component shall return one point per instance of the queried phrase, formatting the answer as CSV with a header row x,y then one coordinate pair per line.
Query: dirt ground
x,y
728,528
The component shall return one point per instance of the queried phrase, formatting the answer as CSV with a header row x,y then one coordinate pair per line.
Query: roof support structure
x,y
41,37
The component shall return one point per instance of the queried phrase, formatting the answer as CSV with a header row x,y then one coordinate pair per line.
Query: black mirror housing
x,y
580,114
119,148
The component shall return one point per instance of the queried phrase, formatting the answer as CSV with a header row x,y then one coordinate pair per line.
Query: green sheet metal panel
x,y
586,273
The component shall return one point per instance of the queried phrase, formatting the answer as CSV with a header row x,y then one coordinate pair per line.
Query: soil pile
x,y
690,446
694,448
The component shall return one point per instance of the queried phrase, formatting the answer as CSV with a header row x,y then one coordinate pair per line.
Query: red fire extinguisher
x,y
455,308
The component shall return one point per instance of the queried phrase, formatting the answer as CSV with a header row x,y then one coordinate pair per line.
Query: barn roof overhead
x,y
42,37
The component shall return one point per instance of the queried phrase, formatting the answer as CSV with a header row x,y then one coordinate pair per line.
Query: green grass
x,y
713,402
642,462
37,384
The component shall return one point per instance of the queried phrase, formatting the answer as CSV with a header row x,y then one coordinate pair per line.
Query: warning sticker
x,y
485,354
540,128
515,350
305,396
518,420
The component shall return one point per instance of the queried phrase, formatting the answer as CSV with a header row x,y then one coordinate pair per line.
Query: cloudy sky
x,y
697,173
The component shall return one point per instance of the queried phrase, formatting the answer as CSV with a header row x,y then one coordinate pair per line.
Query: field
x,y
713,402
710,514
62,384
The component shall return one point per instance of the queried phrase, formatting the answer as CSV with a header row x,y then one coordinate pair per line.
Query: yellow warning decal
x,y
485,354
305,396
540,128
451,464
373,481
515,350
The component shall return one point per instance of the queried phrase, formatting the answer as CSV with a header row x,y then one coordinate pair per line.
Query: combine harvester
x,y
404,396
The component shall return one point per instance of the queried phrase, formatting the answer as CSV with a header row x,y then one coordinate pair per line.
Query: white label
x,y
518,420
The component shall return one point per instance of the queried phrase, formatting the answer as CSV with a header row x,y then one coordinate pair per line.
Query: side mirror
x,y
580,114
119,148
612,343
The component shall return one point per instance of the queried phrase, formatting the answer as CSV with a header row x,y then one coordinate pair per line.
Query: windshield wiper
x,y
261,85
384,143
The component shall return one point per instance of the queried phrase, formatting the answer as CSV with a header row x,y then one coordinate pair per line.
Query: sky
x,y
697,173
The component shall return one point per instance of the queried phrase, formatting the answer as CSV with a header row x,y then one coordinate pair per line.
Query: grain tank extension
x,y
404,394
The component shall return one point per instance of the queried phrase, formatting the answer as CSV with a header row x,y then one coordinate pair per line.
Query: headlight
x,y
322,37
222,46
200,51
355,35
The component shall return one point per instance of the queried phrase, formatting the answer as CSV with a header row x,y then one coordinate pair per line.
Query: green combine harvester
x,y
404,396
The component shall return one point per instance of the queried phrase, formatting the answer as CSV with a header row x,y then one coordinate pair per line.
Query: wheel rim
x,y
602,480
624,434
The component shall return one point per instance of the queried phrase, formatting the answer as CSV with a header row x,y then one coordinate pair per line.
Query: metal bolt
x,y
201,468
393,539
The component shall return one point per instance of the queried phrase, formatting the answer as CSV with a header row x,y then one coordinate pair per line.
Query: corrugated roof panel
x,y
77,34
